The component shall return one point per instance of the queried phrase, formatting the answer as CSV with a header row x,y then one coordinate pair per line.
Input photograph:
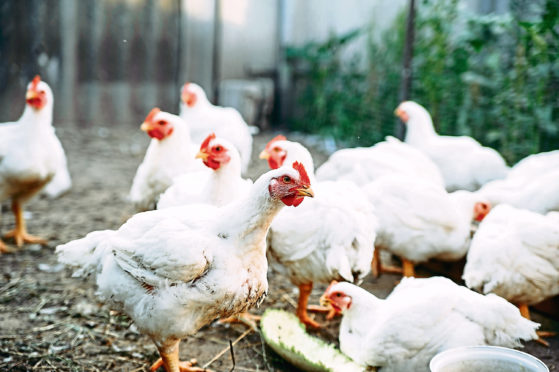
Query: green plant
x,y
495,78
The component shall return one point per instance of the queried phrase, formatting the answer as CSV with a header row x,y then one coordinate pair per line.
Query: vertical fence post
x,y
68,32
405,83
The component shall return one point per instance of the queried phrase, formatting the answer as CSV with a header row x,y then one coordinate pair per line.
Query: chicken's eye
x,y
277,149
42,92
338,295
286,179
161,122
218,148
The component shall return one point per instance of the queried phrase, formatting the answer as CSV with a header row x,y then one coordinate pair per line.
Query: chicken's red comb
x,y
152,113
279,137
206,143
303,176
35,82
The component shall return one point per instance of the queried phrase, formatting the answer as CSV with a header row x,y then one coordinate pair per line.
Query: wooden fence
x,y
107,61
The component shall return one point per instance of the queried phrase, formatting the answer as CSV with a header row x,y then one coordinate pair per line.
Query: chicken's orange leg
x,y
525,312
170,361
20,234
304,293
407,268
377,267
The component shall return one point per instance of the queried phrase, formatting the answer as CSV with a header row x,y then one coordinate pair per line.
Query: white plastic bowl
x,y
485,359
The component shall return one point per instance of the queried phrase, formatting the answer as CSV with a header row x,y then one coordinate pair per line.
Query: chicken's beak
x,y
31,95
202,155
397,112
145,126
264,155
401,114
324,300
305,191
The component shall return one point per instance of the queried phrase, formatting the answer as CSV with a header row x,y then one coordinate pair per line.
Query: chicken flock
x,y
199,246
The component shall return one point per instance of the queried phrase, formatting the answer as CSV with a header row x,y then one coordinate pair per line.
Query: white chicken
x,y
329,237
219,187
204,118
421,221
170,154
31,156
515,254
463,162
533,184
420,318
365,164
177,269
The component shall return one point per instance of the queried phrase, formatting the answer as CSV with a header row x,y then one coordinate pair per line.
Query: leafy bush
x,y
495,78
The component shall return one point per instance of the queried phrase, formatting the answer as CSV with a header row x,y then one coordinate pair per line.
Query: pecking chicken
x,y
204,118
463,162
170,154
219,187
420,318
533,184
421,221
515,254
329,237
175,270
31,156
365,164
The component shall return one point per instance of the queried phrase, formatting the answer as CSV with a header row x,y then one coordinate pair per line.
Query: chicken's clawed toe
x,y
183,366
21,237
4,248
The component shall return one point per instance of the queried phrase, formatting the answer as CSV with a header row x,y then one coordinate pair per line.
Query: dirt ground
x,y
51,321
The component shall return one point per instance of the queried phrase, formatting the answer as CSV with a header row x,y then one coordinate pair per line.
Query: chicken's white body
x,y
515,254
31,155
420,220
164,160
463,162
423,317
365,164
329,237
175,270
218,187
533,184
204,118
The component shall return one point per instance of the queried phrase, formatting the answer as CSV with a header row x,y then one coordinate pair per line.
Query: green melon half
x,y
287,336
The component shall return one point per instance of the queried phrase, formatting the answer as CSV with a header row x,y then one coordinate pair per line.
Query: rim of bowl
x,y
508,354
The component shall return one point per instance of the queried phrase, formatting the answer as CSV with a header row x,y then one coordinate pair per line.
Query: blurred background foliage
x,y
495,78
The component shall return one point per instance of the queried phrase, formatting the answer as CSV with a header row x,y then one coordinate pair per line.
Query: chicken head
x,y
291,187
157,125
481,209
274,154
336,298
36,95
213,152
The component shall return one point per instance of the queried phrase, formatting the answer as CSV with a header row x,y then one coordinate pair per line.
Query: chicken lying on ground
x,y
420,318
421,221
329,237
175,270
170,154
533,184
219,187
515,254
204,118
463,162
362,165
30,157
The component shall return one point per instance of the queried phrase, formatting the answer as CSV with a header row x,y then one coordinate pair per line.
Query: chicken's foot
x,y
20,234
408,268
525,312
304,293
170,361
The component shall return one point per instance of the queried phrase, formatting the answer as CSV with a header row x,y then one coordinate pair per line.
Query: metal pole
x,y
405,83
